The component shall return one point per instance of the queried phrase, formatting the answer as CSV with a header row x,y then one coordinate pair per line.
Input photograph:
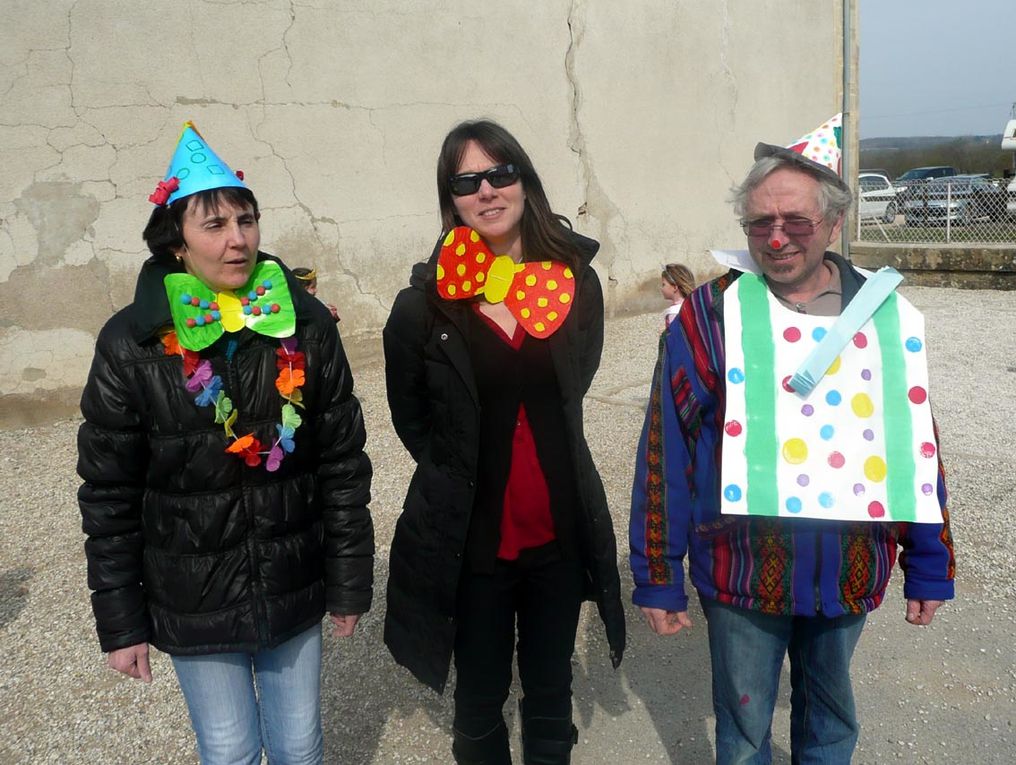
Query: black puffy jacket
x,y
188,548
433,401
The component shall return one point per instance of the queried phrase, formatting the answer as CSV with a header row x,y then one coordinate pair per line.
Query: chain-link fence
x,y
957,208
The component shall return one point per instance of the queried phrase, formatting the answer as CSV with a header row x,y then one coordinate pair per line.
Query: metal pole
x,y
847,157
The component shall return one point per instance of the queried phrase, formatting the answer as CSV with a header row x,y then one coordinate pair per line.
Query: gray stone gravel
x,y
942,694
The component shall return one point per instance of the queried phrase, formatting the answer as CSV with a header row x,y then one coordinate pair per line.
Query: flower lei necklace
x,y
201,316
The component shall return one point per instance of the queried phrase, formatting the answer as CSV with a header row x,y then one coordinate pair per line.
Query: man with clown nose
x,y
789,454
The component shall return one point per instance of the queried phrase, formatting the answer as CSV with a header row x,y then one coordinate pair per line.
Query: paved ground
x,y
942,694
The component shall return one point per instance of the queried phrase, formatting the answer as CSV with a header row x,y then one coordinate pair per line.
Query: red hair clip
x,y
162,192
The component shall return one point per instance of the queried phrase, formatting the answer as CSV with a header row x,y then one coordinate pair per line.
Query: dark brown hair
x,y
164,232
544,232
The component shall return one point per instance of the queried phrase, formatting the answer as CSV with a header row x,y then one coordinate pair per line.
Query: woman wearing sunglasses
x,y
505,528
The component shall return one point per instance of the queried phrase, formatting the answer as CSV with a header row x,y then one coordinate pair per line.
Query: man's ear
x,y
835,233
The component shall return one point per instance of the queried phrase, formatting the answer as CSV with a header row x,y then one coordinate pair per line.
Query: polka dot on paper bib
x,y
793,505
876,510
807,410
786,384
917,395
791,334
861,340
736,375
837,460
913,344
927,449
826,432
862,405
927,489
875,469
865,374
858,489
826,499
803,480
795,451
833,398
869,434
733,428
732,493
818,333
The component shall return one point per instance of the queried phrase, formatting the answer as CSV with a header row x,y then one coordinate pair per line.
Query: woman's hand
x,y
344,624
132,661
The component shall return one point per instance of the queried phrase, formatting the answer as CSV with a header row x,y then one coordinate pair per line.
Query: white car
x,y
876,198
1010,198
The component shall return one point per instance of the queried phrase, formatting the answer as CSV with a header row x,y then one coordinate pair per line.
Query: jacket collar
x,y
151,306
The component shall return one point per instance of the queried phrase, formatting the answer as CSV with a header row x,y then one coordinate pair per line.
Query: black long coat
x,y
433,399
188,548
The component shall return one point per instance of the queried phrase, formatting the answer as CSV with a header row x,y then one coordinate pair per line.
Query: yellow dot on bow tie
x,y
449,239
460,269
530,281
451,289
552,316
545,265
467,286
480,257
564,297
551,285
525,313
520,295
541,302
474,237
440,271
539,326
567,273
460,250
480,276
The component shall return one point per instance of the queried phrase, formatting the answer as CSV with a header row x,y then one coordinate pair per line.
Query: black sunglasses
x,y
498,176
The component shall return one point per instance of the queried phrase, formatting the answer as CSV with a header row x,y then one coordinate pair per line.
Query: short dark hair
x,y
543,231
164,232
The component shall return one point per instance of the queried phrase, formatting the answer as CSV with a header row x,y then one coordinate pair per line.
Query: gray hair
x,y
834,196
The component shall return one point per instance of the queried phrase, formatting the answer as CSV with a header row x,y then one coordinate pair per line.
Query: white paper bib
x,y
859,447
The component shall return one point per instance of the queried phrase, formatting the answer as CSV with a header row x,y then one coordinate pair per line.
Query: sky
x,y
936,67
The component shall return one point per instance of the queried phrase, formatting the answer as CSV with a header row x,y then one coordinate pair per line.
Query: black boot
x,y
489,749
547,740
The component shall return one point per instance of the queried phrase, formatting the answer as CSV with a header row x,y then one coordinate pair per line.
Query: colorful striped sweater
x,y
778,566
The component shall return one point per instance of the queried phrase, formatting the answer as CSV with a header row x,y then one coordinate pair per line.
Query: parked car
x,y
959,199
876,197
1010,191
919,175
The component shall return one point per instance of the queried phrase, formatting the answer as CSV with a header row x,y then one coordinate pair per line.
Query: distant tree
x,y
968,154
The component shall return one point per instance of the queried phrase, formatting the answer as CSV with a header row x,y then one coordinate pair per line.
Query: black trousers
x,y
541,594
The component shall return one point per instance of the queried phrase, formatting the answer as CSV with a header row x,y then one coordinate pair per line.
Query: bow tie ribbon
x,y
201,315
539,294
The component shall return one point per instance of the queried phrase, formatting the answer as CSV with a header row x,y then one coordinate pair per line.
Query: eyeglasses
x,y
469,183
760,228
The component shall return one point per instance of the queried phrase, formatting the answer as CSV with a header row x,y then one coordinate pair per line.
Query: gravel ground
x,y
941,694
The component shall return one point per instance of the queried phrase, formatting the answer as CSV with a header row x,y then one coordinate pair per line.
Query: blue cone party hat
x,y
195,167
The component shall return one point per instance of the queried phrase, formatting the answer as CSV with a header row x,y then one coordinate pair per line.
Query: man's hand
x,y
666,622
344,624
132,661
921,612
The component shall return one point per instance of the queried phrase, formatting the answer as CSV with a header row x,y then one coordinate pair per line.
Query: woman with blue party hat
x,y
225,483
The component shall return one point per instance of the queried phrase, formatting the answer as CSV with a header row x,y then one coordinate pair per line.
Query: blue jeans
x,y
747,650
240,703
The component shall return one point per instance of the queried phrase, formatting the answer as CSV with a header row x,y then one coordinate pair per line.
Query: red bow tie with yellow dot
x,y
538,294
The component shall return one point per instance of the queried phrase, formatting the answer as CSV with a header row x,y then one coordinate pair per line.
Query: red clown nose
x,y
776,244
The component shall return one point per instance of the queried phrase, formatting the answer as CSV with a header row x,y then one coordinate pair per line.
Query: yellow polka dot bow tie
x,y
538,294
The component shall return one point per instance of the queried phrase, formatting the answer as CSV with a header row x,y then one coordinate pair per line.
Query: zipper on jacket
x,y
260,619
818,572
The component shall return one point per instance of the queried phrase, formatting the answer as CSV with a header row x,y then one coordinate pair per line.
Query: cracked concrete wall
x,y
638,116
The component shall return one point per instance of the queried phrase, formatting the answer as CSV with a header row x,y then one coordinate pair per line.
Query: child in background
x,y
676,283
308,278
